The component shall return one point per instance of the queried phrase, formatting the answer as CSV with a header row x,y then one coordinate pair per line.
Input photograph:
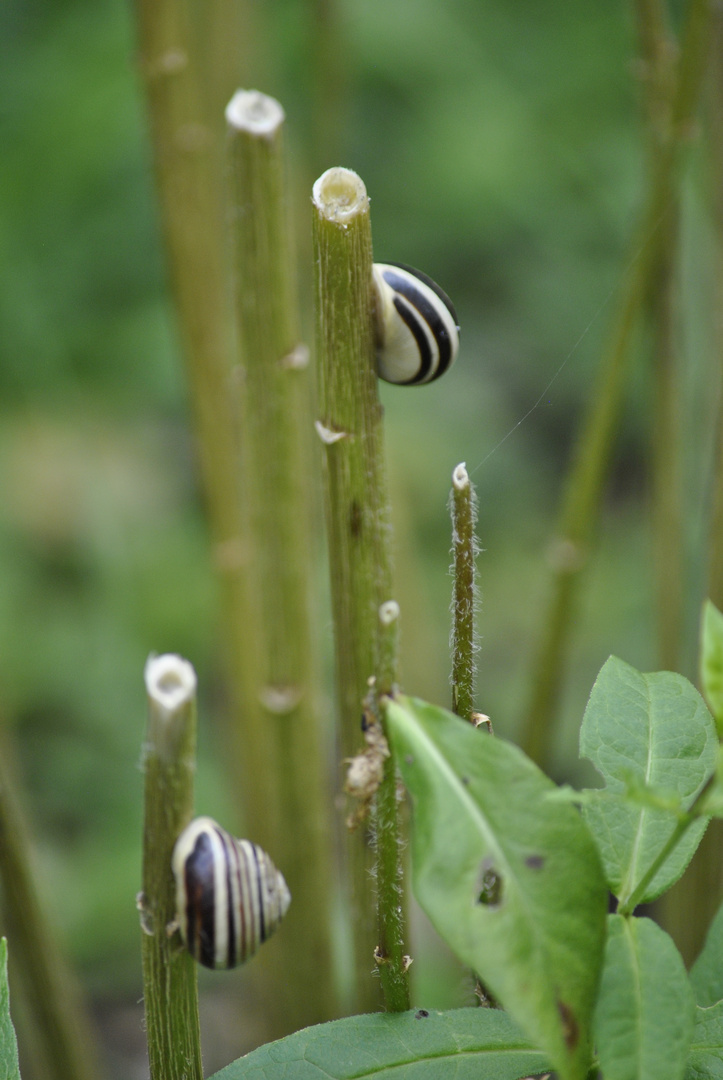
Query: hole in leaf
x,y
489,885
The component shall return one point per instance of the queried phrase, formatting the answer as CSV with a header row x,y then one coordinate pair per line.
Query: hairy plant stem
x,y
359,540
169,975
580,508
63,1043
463,506
280,739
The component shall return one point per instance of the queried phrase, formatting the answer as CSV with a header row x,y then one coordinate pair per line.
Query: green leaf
x,y
705,1060
657,729
464,1044
645,1013
9,1067
711,660
510,878
706,975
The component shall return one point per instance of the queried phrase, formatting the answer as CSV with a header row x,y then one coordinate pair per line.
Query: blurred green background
x,y
502,147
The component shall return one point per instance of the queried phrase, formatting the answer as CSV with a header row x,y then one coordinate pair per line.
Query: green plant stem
x,y
580,508
657,50
188,159
626,907
358,525
391,906
280,737
386,682
169,974
463,505
715,144
63,1041
638,892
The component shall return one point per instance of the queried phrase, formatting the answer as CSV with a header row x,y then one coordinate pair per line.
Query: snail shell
x,y
417,331
229,895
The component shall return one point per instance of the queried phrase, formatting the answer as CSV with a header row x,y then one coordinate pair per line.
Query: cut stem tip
x,y
339,195
254,113
460,477
170,682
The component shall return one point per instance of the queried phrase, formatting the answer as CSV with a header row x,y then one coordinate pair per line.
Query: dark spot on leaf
x,y
570,1030
421,1014
465,780
355,519
489,885
535,862
409,759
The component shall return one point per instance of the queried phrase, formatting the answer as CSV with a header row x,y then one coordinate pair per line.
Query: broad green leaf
x,y
706,975
464,1044
657,729
645,1012
705,1059
510,878
9,1067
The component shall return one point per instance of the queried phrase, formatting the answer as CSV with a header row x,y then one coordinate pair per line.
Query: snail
x,y
417,331
229,895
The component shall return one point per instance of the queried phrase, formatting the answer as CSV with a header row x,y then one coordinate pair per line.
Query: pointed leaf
x,y
463,1044
706,975
510,878
645,1012
705,1059
9,1067
657,729
711,661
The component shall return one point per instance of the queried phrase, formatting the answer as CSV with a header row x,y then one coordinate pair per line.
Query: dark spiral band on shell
x,y
417,331
229,895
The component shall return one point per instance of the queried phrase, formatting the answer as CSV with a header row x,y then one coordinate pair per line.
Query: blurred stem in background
x,y
592,458
715,119
281,750
350,426
658,55
190,56
700,888
170,993
53,1027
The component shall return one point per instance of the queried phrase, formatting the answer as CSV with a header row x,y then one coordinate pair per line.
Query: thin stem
x,y
169,974
463,505
358,519
390,957
62,1038
626,907
388,648
580,507
280,740
638,892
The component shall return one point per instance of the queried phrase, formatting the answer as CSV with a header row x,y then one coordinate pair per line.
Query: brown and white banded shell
x,y
416,324
229,895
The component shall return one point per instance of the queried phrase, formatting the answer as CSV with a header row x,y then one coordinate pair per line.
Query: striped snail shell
x,y
229,895
417,331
